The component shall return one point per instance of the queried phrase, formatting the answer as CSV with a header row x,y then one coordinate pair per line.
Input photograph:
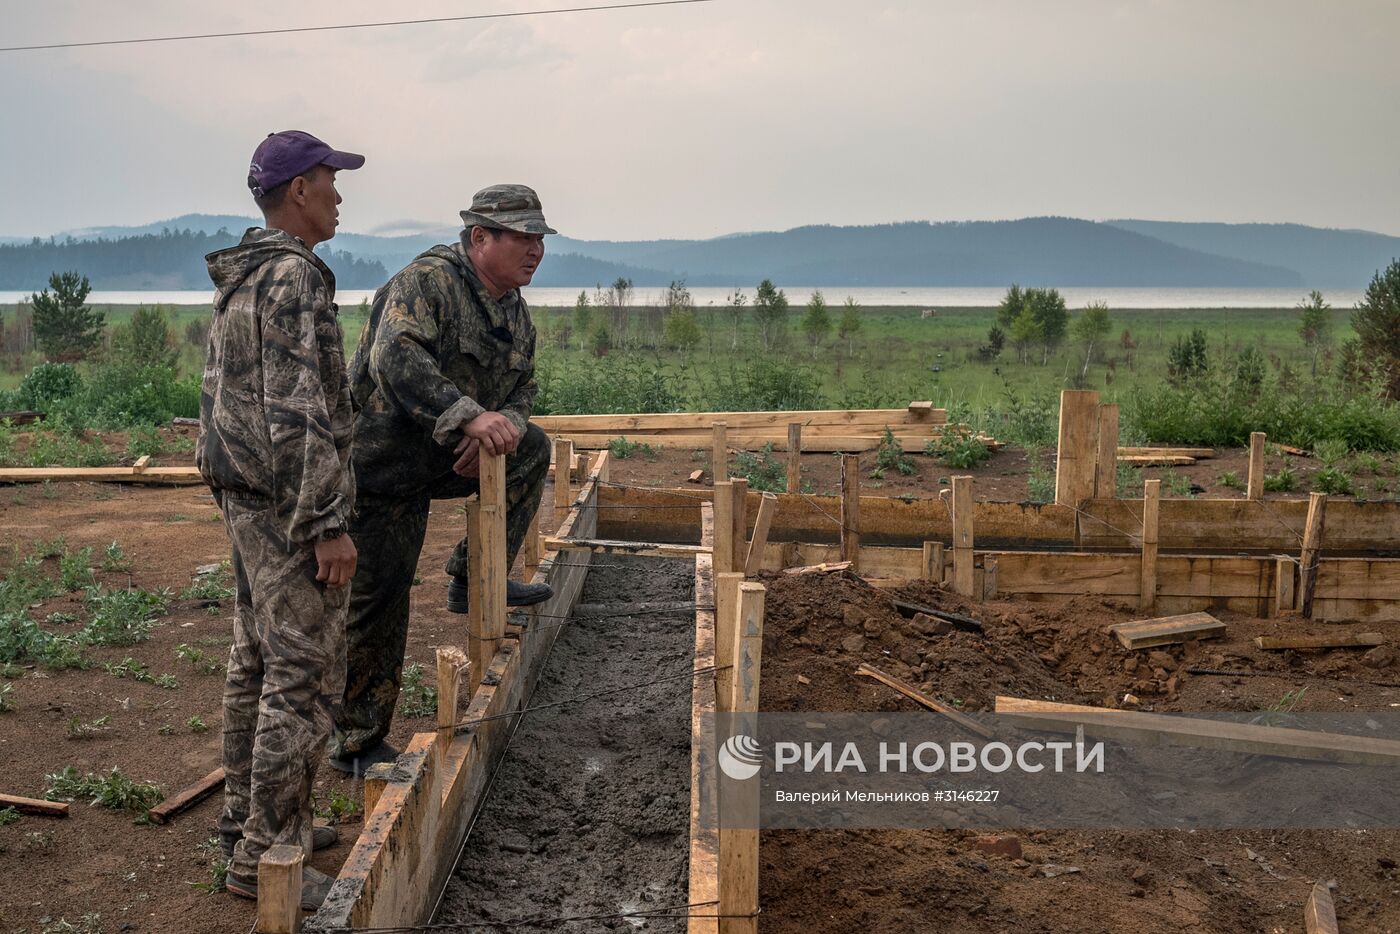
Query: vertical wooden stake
x,y
767,505
580,467
451,661
740,489
1255,487
1147,584
726,633
475,626
531,550
563,479
738,843
1312,546
719,452
933,562
1077,447
279,889
964,576
989,578
1284,578
1106,463
376,777
850,510
724,526
1319,912
794,464
490,589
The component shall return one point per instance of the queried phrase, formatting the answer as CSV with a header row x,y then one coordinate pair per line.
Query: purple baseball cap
x,y
285,155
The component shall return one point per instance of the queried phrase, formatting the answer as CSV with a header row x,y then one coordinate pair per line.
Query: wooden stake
x,y
740,491
850,509
794,464
279,890
532,549
719,453
738,845
1077,449
726,634
1312,544
563,478
1106,462
1256,465
376,777
1151,501
933,562
476,627
767,505
451,661
490,589
989,578
1284,578
34,806
964,575
724,526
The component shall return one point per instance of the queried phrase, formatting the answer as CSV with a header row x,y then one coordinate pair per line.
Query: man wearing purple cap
x,y
274,446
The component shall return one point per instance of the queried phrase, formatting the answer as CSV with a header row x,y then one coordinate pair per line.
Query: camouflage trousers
x,y
286,674
389,532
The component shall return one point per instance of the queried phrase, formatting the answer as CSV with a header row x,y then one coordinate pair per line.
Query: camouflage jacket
x,y
436,352
275,418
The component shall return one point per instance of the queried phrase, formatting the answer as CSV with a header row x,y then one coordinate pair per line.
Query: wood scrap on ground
x,y
1320,914
965,623
1167,630
914,694
34,806
187,798
1364,640
829,567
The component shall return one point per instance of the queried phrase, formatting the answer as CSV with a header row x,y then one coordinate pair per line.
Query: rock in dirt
x,y
1008,846
926,625
1050,870
853,645
1382,656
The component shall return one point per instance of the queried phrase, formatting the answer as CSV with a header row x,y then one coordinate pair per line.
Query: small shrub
x,y
1285,481
890,456
957,446
145,441
1331,451
89,923
1332,480
416,699
75,570
113,791
1231,480
1127,481
6,705
340,808
201,662
621,448
764,472
196,724
78,729
1371,463
215,585
218,867
1177,484
121,617
8,816
114,559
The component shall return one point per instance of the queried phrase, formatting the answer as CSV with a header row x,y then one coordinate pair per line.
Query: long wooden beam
x,y
557,424
703,868
170,476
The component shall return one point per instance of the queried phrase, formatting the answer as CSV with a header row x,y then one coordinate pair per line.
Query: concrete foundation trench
x,y
587,815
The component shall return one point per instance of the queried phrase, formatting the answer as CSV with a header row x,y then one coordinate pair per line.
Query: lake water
x,y
1076,297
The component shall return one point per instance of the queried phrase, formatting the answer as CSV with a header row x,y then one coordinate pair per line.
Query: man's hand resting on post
x,y
496,433
335,561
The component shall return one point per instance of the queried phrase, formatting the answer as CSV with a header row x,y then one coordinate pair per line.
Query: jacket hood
x,y
229,268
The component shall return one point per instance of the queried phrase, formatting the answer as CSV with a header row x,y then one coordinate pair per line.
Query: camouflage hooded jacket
x,y
436,351
274,412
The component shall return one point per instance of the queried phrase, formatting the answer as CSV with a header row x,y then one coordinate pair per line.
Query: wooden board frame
x,y
704,805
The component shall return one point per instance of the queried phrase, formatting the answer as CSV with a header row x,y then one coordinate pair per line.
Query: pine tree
x,y
64,327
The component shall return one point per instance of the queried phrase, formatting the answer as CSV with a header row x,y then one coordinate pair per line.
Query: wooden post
x,y
376,777
475,626
738,845
726,633
531,549
563,478
1147,586
489,590
724,526
1106,463
1284,577
1312,545
767,505
964,576
279,889
794,464
1077,448
1256,465
850,510
450,663
933,562
719,453
989,578
740,490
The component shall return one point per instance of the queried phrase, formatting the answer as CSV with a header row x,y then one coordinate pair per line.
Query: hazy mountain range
x,y
1050,251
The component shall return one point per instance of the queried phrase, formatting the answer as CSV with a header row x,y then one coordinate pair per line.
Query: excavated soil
x,y
588,814
820,627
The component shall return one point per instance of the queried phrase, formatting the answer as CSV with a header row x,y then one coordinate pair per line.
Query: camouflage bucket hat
x,y
507,207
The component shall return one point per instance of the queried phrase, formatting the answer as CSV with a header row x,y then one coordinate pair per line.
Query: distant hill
x,y
1050,251
1323,257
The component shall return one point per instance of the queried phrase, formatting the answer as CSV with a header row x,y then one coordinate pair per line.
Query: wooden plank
x,y
1320,914
1154,451
963,573
850,510
187,798
726,592
141,464
1284,575
1106,460
695,476
1169,730
668,421
173,476
563,478
279,889
914,694
1312,545
753,562
738,842
1254,487
476,625
616,547
932,558
794,459
376,777
725,557
532,549
703,868
921,408
1167,630
1076,449
739,489
1335,641
1235,525
1154,460
719,451
989,578
34,806
1151,512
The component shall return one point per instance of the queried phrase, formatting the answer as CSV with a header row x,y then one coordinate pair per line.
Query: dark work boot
x,y
517,594
355,763
315,886
322,836
457,593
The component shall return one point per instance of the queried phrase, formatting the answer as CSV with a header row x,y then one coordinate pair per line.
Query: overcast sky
x,y
710,118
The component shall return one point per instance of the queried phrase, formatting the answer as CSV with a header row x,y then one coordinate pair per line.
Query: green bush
x,y
1285,481
1332,480
48,383
957,446
890,456
607,386
762,386
121,617
764,472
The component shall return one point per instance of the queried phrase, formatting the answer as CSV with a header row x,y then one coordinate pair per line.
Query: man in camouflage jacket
x,y
275,425
445,367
